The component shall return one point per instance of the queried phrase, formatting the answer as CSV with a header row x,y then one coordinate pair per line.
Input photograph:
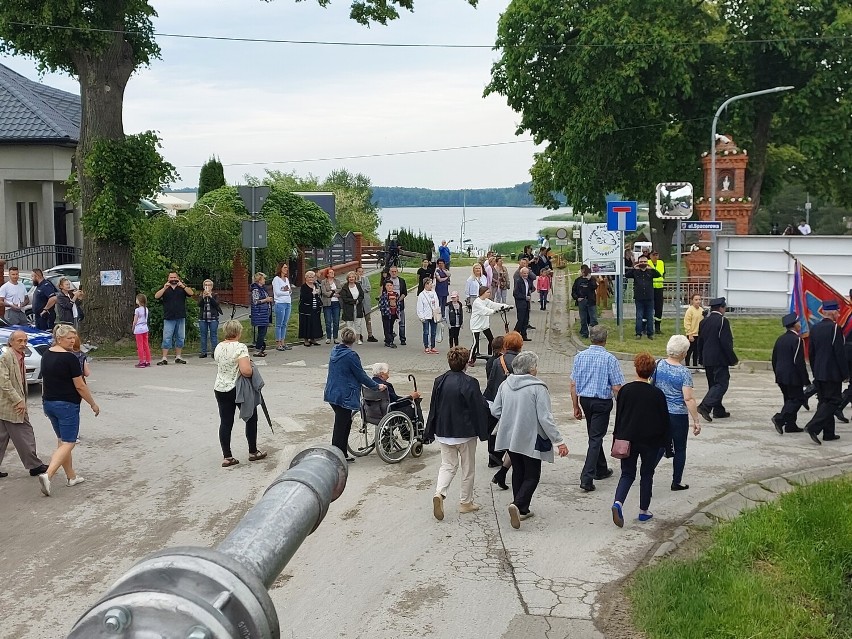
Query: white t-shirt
x,y
353,289
141,325
281,296
805,229
13,293
227,355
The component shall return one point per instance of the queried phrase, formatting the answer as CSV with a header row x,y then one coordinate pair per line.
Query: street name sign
x,y
701,226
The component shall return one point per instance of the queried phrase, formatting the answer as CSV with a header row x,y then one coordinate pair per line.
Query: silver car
x,y
39,341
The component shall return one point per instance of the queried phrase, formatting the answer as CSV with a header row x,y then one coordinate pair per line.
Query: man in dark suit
x,y
846,398
791,374
522,292
718,355
827,354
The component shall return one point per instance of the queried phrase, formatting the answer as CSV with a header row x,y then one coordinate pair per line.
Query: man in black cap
x,y
791,374
827,354
718,355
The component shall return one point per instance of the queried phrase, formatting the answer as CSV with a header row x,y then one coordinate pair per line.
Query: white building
x,y
39,130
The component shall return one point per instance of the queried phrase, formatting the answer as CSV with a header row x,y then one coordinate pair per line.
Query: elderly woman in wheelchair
x,y
388,422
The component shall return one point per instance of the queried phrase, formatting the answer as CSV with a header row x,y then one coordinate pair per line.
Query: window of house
x,y
22,224
33,228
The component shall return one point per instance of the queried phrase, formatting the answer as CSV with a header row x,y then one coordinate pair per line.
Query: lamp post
x,y
725,104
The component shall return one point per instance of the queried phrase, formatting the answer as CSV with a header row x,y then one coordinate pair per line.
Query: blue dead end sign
x,y
621,216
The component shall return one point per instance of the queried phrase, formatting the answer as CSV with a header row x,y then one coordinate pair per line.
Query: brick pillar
x,y
359,241
2,281
240,281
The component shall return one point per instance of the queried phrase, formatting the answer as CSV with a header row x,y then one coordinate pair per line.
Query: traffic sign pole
x,y
620,290
678,300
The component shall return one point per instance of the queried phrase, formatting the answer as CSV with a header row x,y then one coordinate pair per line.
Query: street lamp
x,y
713,138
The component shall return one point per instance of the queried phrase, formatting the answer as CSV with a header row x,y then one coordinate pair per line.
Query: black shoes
x,y
704,413
680,486
722,415
587,487
402,342
371,338
839,416
779,425
793,429
814,437
2,475
500,478
830,438
527,339
180,360
40,470
609,472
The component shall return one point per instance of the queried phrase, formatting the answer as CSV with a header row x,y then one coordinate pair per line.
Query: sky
x,y
265,105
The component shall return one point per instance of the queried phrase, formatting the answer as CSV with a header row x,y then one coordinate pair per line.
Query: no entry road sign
x,y
621,216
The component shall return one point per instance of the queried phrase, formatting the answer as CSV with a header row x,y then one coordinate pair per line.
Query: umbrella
x,y
266,412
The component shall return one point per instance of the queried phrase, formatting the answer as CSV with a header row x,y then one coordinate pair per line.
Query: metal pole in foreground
x,y
678,301
620,280
201,593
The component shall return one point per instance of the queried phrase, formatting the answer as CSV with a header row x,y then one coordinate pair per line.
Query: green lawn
x,y
783,570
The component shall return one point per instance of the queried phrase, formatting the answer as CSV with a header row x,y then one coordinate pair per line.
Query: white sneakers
x,y
44,483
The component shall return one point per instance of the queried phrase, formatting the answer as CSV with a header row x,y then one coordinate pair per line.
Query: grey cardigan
x,y
326,292
518,426
248,393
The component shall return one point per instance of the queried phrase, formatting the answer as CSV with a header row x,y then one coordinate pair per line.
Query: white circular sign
x,y
562,233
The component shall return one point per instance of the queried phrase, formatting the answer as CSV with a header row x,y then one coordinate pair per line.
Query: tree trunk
x,y
757,160
103,78
662,231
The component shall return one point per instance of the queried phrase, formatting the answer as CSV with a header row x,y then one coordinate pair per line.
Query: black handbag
x,y
543,444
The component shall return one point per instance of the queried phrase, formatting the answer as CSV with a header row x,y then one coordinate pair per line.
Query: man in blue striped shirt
x,y
595,380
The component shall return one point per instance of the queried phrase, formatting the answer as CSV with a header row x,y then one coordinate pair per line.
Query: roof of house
x,y
34,112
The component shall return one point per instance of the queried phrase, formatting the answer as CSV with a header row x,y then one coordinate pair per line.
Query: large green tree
x,y
211,176
621,92
101,43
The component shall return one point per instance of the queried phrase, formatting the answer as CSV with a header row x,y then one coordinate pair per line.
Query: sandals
x,y
260,354
257,456
229,461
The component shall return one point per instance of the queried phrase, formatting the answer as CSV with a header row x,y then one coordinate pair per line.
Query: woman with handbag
x,y
428,312
641,432
352,299
528,437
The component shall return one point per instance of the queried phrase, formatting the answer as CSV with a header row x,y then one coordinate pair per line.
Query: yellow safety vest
x,y
660,267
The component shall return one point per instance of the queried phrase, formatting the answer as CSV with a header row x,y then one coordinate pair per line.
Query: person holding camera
x,y
173,294
643,277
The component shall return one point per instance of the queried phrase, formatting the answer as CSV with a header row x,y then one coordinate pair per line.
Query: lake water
x,y
484,225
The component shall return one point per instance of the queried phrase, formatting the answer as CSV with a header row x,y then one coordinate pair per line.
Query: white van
x,y
639,247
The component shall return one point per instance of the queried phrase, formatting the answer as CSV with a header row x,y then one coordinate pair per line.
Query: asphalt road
x,y
379,566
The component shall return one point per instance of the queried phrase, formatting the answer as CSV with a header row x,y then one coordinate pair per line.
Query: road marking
x,y
300,362
169,389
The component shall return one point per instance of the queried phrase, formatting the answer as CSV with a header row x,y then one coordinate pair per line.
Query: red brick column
x,y
359,242
240,278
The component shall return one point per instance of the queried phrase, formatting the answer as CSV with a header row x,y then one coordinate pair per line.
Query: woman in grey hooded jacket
x,y
529,439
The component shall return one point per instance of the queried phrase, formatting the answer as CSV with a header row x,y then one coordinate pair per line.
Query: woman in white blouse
x,y
474,282
429,312
281,292
480,320
232,360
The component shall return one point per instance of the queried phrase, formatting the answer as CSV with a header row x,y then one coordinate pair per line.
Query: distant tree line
x,y
398,196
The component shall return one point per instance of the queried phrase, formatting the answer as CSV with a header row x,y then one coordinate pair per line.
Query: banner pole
x,y
620,270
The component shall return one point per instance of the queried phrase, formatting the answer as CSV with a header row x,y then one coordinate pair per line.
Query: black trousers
x,y
829,397
658,308
597,413
474,352
718,380
227,402
794,398
694,352
522,308
342,426
454,335
526,473
387,325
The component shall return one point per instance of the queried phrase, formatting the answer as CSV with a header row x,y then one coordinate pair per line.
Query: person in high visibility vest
x,y
657,264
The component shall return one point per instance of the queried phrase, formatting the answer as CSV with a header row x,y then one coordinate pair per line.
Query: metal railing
x,y
43,256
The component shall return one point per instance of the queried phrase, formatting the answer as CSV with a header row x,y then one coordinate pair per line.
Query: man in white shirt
x,y
13,296
804,227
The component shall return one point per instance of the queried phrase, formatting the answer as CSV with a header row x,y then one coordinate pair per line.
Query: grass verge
x,y
783,570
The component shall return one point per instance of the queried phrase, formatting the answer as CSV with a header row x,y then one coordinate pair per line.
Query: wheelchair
x,y
381,425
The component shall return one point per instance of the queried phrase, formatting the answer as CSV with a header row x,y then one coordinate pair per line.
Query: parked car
x,y
71,271
39,341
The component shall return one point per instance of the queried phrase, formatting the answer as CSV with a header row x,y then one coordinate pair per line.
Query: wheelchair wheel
x,y
394,437
417,449
362,437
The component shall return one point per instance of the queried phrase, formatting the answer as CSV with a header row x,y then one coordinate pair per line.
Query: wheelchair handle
x,y
412,378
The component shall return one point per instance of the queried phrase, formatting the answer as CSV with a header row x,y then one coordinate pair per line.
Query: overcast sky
x,y
266,103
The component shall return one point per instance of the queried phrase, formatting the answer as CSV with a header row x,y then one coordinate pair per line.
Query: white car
x,y
39,341
71,271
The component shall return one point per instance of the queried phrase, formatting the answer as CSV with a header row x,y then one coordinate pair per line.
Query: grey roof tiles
x,y
34,112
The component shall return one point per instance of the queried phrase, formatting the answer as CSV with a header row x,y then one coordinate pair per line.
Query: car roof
x,y
36,337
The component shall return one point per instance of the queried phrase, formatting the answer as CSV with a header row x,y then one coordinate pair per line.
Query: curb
x,y
732,504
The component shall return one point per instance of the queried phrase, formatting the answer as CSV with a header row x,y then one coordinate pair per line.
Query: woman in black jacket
x,y
641,418
310,310
458,416
499,371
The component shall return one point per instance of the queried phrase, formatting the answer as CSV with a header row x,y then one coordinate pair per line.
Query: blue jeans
x,y
174,331
332,320
650,456
588,316
645,311
65,419
679,425
210,327
282,317
429,327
